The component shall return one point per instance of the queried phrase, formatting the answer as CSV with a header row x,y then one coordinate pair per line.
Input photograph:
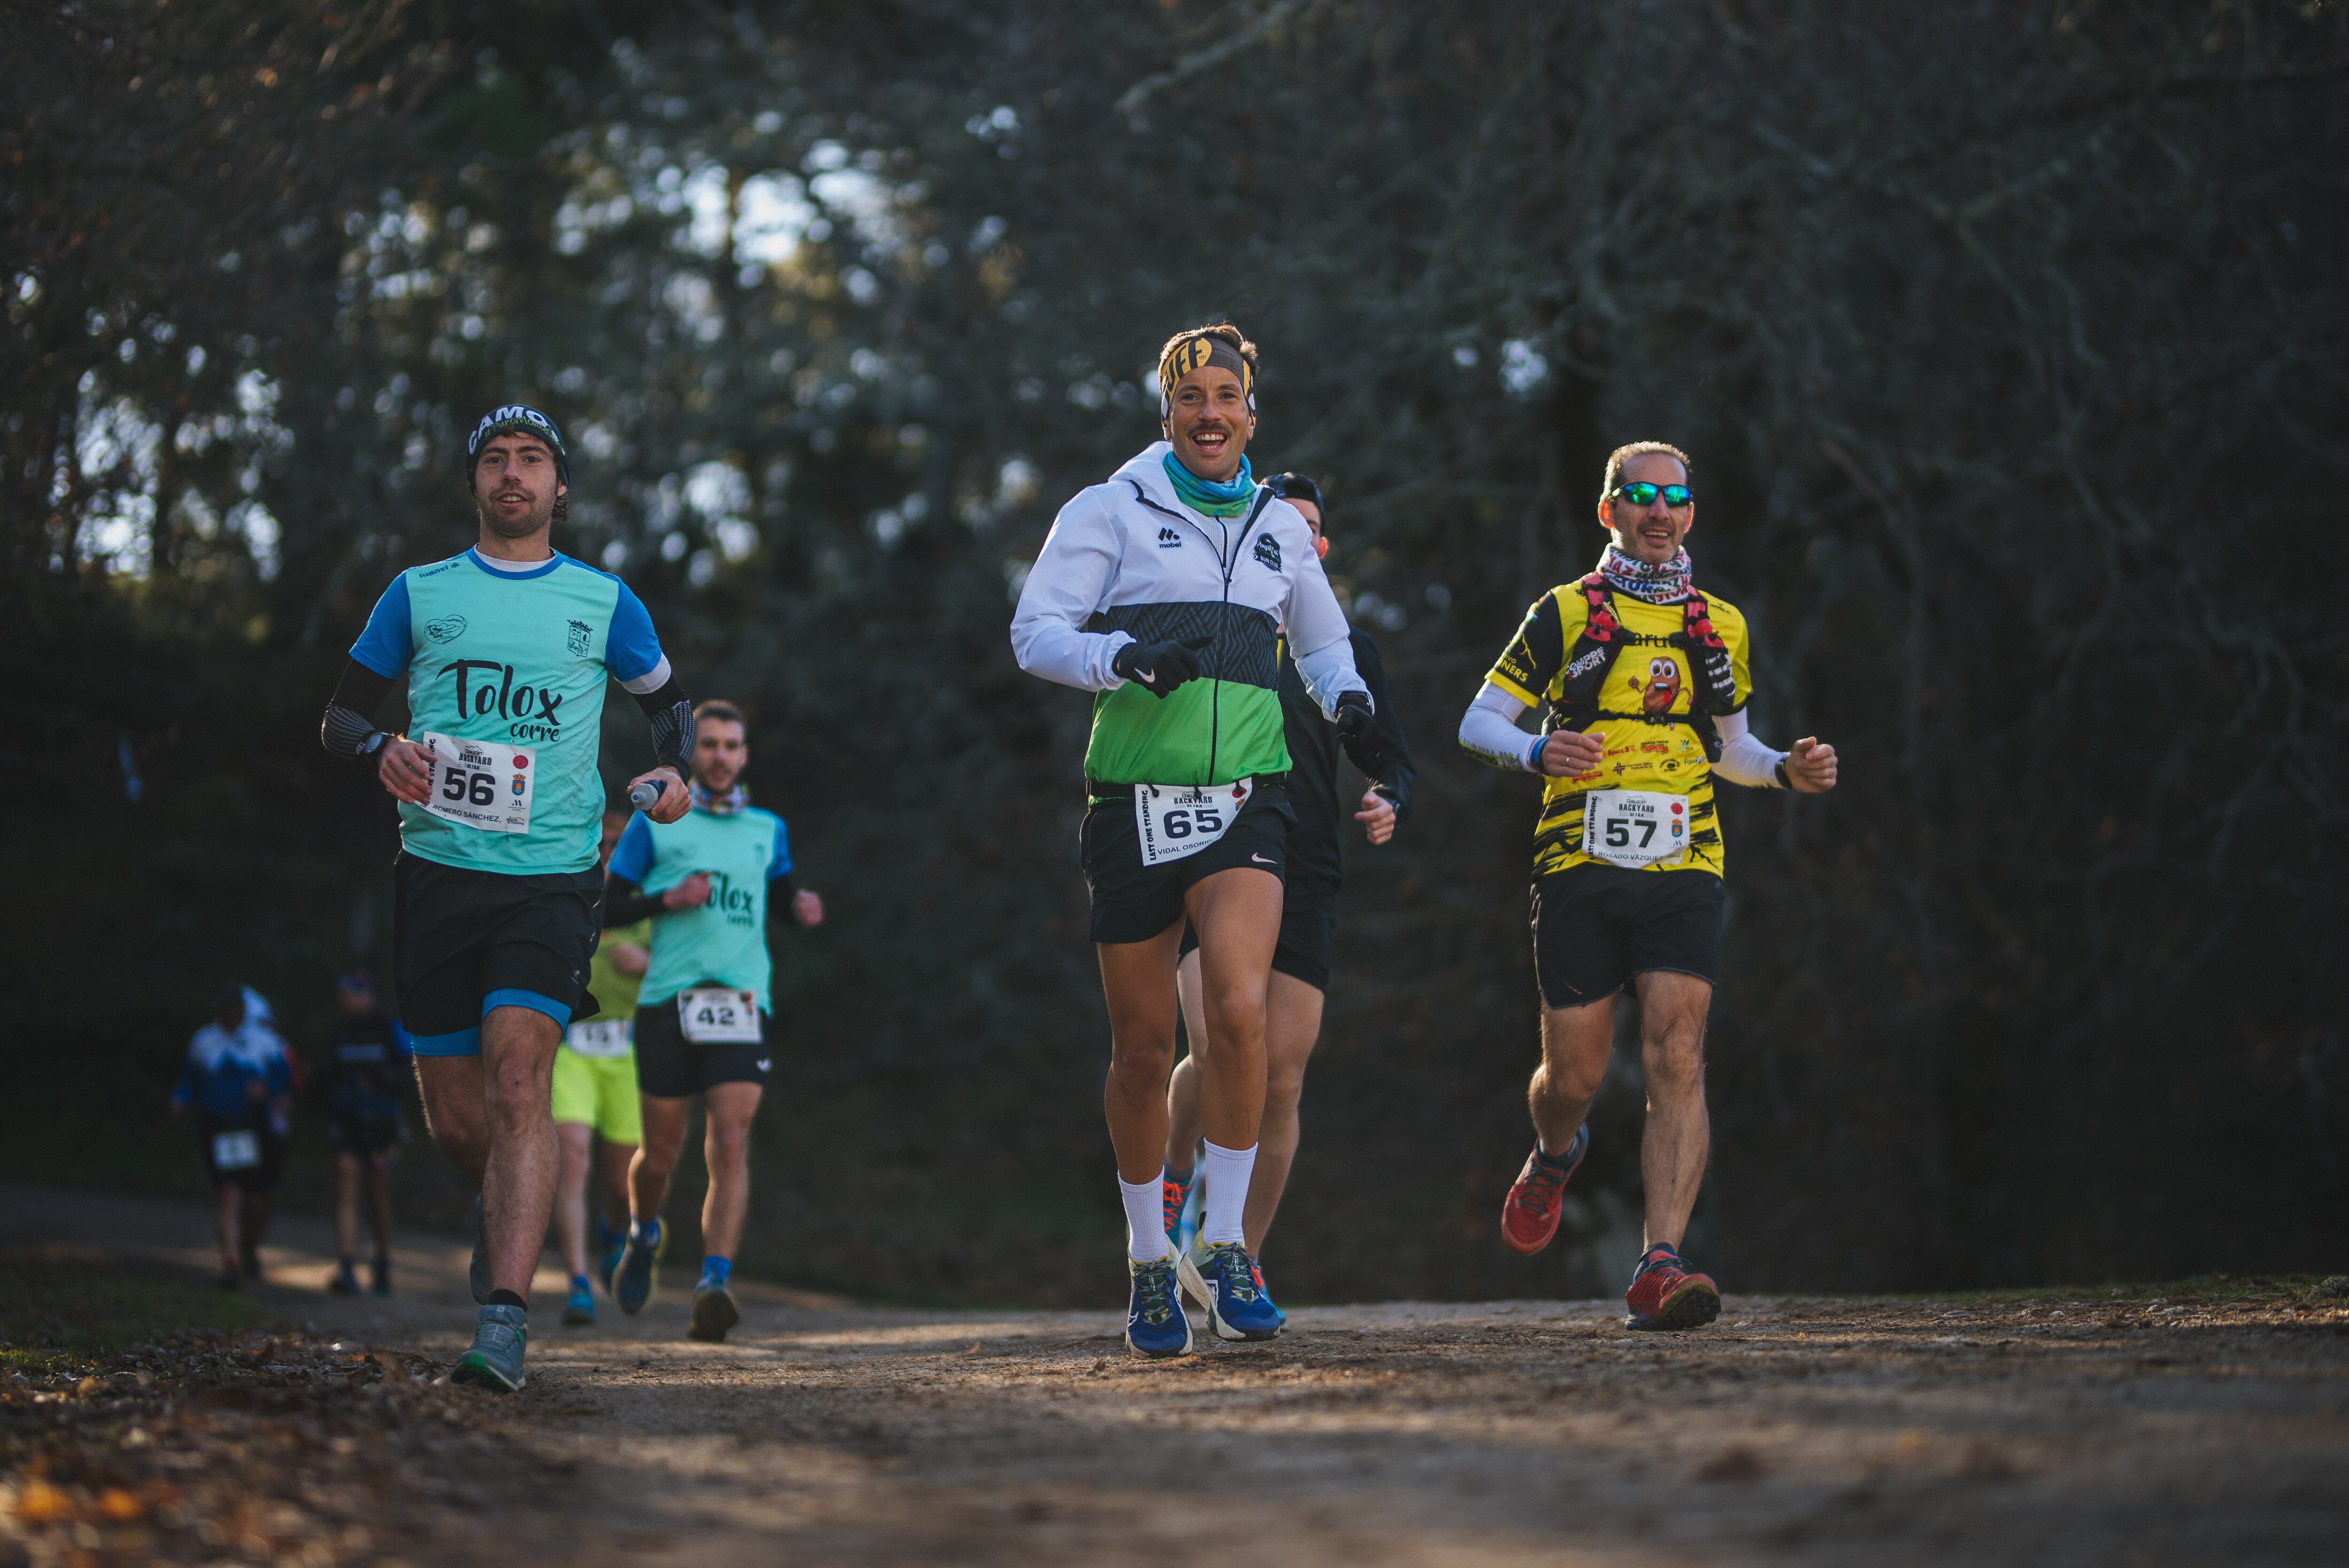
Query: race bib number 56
x,y
1633,826
1177,821
482,784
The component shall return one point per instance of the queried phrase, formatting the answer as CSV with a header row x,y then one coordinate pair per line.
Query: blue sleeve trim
x,y
461,1043
630,648
781,866
513,996
388,644
632,856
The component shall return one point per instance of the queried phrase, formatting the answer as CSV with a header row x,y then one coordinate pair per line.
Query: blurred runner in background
x,y
239,1083
711,883
365,1072
1308,921
595,1096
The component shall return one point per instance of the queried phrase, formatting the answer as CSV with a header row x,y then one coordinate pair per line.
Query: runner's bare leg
x,y
726,1145
518,1046
1138,983
1238,915
1673,1150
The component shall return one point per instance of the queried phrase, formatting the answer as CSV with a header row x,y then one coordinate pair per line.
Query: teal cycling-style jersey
x,y
516,662
724,941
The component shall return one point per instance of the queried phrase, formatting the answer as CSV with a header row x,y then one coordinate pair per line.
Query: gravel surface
x,y
2206,1424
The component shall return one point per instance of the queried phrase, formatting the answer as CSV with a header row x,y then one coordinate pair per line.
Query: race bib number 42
x,y
1632,827
1177,821
482,784
712,1016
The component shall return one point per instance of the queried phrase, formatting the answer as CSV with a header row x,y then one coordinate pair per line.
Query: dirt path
x,y
2211,1429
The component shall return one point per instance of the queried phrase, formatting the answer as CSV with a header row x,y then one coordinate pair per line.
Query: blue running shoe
x,y
634,1282
479,1272
579,1308
714,1313
1175,1201
1154,1324
1222,1277
495,1360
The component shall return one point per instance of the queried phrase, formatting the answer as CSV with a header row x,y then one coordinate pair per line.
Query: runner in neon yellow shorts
x,y
595,1096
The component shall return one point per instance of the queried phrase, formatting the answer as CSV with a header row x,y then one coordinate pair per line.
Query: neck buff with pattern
x,y
736,797
1206,496
1660,583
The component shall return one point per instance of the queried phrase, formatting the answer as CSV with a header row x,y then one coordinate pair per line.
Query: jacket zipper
x,y
1226,567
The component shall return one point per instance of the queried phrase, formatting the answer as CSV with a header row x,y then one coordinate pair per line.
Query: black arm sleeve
x,y
350,712
671,713
1382,754
781,895
624,903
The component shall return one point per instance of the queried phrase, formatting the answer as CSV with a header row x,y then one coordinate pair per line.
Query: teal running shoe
x,y
714,1313
634,1282
480,1273
579,1307
495,1360
1222,1277
1154,1324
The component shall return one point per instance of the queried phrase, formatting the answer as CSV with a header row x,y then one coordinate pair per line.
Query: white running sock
x,y
1146,1220
1227,1171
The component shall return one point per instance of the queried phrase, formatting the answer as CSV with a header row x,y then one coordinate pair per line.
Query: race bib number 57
x,y
1177,821
1633,826
482,784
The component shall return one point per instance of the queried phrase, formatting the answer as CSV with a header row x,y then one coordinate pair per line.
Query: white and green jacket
x,y
1127,562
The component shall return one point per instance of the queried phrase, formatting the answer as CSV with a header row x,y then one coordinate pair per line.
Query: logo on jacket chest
x,y
1268,550
1169,540
581,635
485,686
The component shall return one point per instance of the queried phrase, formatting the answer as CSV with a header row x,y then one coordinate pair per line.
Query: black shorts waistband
x,y
1097,790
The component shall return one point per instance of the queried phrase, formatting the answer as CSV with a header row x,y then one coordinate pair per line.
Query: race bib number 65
x,y
1177,821
482,784
1633,826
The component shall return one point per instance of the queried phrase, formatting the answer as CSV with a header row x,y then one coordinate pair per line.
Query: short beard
x,y
538,518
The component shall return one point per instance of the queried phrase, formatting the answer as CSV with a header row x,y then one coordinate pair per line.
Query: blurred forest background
x,y
2012,338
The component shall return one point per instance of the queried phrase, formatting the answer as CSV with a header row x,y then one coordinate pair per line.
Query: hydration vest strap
x,y
1713,681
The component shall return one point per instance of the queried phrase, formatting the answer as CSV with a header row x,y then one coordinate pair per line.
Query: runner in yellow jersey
x,y
595,1096
1644,679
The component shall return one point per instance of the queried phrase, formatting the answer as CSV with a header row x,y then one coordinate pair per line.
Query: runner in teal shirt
x,y
704,1019
496,900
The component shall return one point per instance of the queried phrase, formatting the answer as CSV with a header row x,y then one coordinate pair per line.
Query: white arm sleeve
x,y
1743,759
1329,673
1489,732
1071,576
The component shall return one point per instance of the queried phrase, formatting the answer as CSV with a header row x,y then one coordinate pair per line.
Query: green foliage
x,y
58,1312
2005,337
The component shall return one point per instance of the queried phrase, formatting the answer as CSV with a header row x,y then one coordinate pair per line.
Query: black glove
x,y
1353,715
1159,667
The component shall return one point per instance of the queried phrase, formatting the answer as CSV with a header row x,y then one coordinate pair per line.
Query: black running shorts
x,y
1308,921
1595,926
368,1136
261,1177
463,942
670,1067
1133,903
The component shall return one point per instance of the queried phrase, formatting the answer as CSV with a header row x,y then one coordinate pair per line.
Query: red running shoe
x,y
1665,1295
1529,1213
